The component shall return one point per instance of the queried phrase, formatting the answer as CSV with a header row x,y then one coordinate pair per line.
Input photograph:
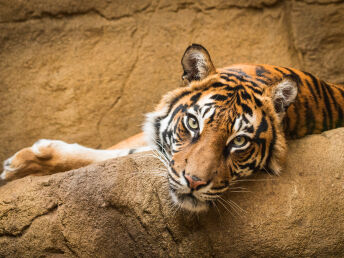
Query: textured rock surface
x,y
121,208
86,71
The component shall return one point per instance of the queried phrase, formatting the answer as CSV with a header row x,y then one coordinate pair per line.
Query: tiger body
x,y
223,124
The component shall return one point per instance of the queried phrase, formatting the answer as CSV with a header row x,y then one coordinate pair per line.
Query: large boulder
x,y
122,208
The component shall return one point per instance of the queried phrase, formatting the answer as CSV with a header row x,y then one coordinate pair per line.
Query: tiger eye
x,y
239,140
193,123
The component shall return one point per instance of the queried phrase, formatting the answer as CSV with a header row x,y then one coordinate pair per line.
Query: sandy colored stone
x,y
317,32
121,208
86,71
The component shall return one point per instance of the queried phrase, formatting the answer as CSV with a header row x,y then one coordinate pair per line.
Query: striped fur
x,y
265,104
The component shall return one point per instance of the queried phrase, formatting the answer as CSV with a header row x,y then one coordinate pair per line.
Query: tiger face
x,y
217,128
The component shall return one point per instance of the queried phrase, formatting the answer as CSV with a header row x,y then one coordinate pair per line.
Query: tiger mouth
x,y
189,202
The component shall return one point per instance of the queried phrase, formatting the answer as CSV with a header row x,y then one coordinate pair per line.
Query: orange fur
x,y
134,141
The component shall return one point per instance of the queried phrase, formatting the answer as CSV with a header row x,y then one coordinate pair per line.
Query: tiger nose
x,y
194,182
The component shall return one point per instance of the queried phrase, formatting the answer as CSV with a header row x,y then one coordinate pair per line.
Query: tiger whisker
x,y
160,157
218,211
235,204
163,149
234,207
177,207
267,171
238,187
221,202
256,180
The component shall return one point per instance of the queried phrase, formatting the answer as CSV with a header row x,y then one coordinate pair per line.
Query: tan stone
x,y
121,208
317,32
86,71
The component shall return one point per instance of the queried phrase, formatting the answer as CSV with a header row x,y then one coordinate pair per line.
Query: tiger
x,y
220,125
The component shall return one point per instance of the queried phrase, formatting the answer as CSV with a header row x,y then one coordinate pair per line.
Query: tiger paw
x,y
44,157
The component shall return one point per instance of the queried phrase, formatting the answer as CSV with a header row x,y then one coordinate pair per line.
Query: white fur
x,y
75,150
202,206
200,63
148,126
285,85
67,151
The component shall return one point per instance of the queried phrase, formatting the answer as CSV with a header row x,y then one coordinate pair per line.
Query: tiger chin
x,y
222,124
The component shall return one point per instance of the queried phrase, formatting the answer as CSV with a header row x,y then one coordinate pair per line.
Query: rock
x,y
86,71
121,208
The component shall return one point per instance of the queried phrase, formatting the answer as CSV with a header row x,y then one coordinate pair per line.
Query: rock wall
x,y
86,71
121,208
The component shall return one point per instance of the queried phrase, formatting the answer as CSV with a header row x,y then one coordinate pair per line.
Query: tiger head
x,y
220,126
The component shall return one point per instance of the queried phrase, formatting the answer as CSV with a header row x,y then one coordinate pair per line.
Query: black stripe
x,y
195,98
242,79
245,95
279,70
249,129
297,110
248,156
175,181
175,100
174,172
218,85
327,105
131,151
260,70
238,100
255,90
262,81
310,118
227,79
246,109
233,123
251,166
315,83
245,119
325,127
219,97
181,108
339,120
312,92
263,126
257,101
212,194
294,76
176,125
157,125
262,143
272,144
211,118
341,91
196,107
231,88
205,112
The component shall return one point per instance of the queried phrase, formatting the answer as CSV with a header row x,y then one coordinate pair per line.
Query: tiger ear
x,y
283,94
197,64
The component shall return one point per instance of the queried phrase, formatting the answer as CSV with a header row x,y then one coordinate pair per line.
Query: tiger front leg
x,y
51,156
